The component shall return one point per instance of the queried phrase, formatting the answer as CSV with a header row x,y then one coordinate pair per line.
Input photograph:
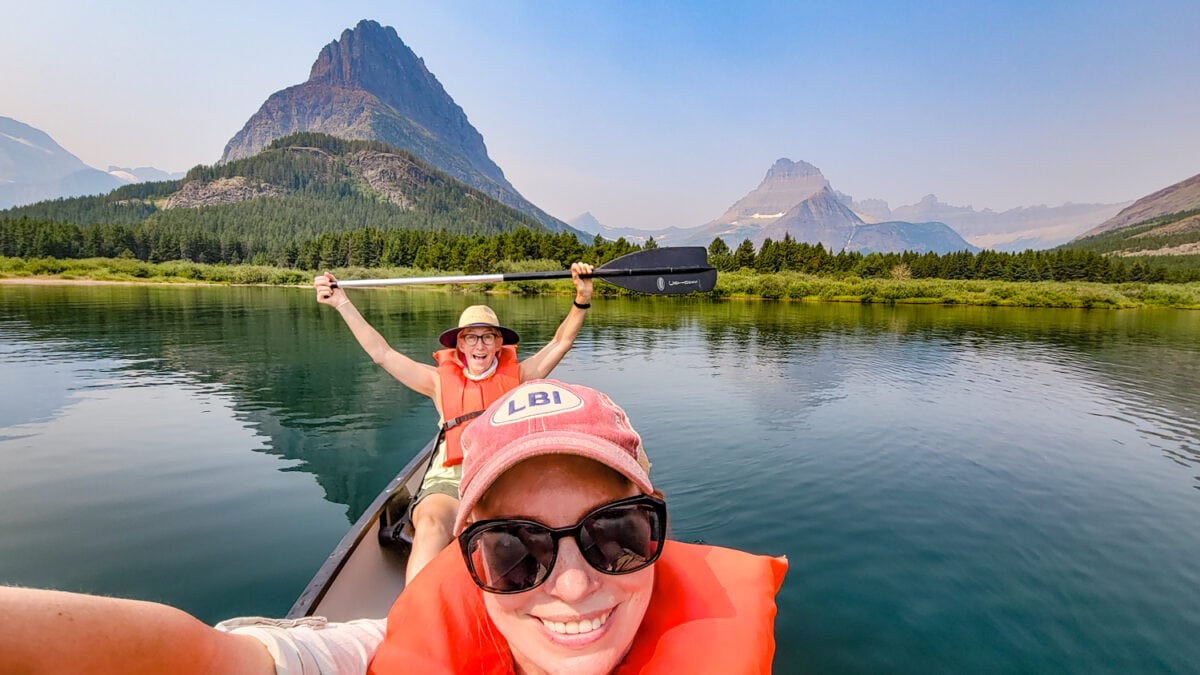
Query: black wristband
x,y
581,305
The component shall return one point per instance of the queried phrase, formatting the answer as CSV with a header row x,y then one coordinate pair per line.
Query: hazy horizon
x,y
661,115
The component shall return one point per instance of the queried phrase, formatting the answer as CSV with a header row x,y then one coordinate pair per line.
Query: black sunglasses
x,y
513,556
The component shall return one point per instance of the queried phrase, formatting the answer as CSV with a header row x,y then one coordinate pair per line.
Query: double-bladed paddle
x,y
661,271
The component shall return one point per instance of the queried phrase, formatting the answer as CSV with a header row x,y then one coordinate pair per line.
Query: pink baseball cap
x,y
547,417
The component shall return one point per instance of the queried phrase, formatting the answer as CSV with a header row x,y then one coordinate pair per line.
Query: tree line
x,y
362,247
1147,235
477,253
1029,265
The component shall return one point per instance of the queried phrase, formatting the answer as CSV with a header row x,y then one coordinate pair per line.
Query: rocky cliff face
x,y
221,191
394,177
368,85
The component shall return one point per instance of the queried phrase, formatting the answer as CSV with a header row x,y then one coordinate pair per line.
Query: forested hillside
x,y
1171,242
260,208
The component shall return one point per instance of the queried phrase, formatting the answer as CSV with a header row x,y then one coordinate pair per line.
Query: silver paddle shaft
x,y
400,281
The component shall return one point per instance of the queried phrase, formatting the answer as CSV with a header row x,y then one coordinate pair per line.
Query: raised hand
x,y
327,293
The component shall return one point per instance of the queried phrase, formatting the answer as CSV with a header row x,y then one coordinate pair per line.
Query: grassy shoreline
x,y
743,284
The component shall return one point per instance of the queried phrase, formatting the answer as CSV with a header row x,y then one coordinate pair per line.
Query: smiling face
x,y
478,357
579,620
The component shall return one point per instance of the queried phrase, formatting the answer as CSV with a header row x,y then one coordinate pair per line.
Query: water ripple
x,y
957,489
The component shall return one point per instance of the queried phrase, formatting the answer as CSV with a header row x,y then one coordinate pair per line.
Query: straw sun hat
x,y
478,315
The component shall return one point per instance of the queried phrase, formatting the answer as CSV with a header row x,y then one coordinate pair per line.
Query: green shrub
x,y
744,283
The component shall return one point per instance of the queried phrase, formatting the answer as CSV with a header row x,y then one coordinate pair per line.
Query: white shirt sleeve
x,y
313,645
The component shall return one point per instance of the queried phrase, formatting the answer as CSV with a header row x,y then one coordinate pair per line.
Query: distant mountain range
x,y
1165,223
33,167
1036,227
795,198
1182,196
143,174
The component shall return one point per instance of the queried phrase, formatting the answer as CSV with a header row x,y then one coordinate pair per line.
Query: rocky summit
x,y
368,85
786,184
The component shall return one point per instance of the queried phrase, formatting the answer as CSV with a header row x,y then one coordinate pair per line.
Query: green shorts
x,y
440,479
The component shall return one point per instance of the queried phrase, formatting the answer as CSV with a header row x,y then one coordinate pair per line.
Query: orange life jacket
x,y
712,611
461,395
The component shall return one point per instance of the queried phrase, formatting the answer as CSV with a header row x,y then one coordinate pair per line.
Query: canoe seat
x,y
395,523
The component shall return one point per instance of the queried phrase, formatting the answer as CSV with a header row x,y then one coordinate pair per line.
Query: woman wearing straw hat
x,y
478,365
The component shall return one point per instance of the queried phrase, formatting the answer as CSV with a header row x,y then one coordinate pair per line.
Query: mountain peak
x,y
586,222
786,184
784,168
368,85
34,167
341,62
373,58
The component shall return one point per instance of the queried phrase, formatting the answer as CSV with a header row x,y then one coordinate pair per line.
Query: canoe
x,y
364,574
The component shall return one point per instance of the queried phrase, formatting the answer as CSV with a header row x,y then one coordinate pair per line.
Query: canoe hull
x,y
364,574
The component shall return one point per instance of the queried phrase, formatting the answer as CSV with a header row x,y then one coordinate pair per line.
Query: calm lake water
x,y
957,489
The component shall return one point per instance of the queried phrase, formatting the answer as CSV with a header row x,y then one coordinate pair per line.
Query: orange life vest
x,y
461,395
712,611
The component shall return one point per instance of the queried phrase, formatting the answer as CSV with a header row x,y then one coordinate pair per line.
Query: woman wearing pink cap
x,y
479,363
562,565
563,562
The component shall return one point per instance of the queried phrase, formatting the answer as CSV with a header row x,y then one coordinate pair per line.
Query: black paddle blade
x,y
662,271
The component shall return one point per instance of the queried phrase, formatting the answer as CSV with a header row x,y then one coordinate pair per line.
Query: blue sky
x,y
656,114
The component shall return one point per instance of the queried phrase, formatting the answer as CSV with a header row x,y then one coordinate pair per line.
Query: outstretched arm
x,y
56,632
420,377
540,364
